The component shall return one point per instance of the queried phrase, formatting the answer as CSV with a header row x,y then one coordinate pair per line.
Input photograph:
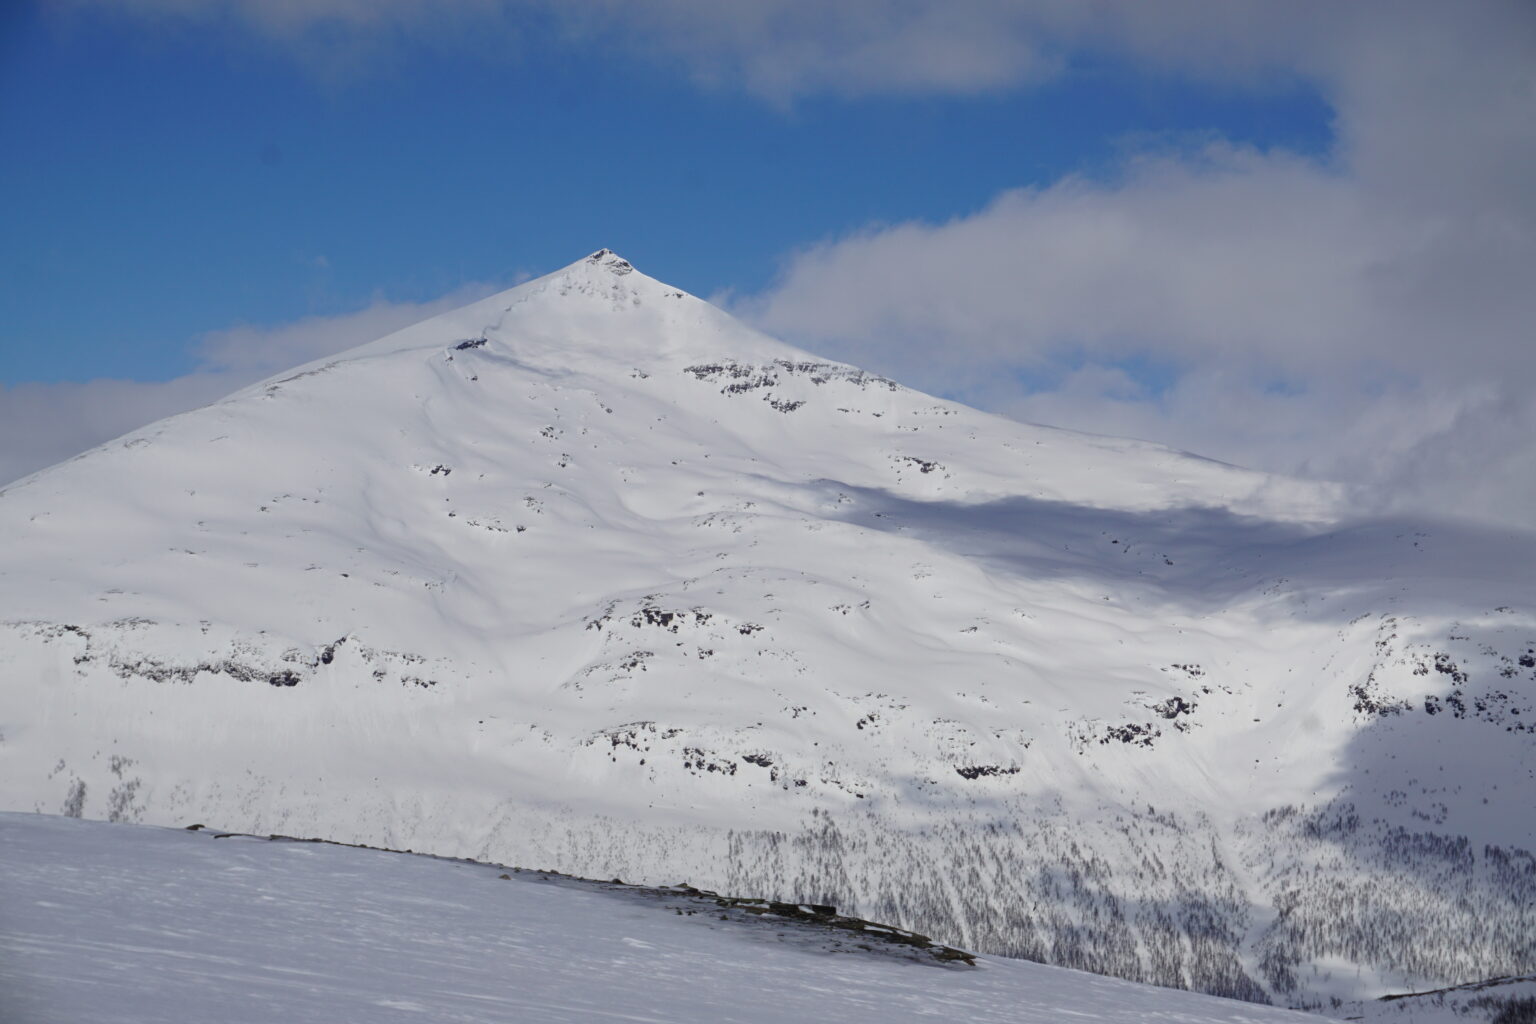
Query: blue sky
x,y
1297,235
178,182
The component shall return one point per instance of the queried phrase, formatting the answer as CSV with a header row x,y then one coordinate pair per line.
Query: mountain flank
x,y
589,574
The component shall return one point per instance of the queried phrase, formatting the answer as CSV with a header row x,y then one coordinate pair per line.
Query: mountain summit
x,y
589,575
600,307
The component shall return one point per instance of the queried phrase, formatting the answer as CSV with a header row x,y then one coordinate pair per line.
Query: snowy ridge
x,y
592,576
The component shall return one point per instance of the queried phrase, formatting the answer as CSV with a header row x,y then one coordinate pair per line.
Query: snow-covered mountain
x,y
590,575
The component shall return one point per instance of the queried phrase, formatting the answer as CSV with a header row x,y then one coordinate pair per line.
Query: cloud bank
x,y
1368,317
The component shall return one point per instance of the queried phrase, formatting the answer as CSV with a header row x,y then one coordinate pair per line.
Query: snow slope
x,y
125,924
591,576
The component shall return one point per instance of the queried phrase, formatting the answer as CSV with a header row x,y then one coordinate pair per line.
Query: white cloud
x,y
780,50
334,40
1366,317
1463,450
774,48
1178,258
286,18
784,49
45,423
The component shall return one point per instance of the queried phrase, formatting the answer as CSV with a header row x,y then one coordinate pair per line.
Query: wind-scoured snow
x,y
118,924
591,576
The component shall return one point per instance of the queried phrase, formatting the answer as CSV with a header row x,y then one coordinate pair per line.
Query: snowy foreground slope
x,y
589,575
127,924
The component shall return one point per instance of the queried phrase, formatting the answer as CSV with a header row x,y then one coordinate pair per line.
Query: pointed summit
x,y
612,261
598,308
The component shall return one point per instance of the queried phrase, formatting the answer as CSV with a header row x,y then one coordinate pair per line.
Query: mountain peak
x,y
589,574
612,261
602,307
